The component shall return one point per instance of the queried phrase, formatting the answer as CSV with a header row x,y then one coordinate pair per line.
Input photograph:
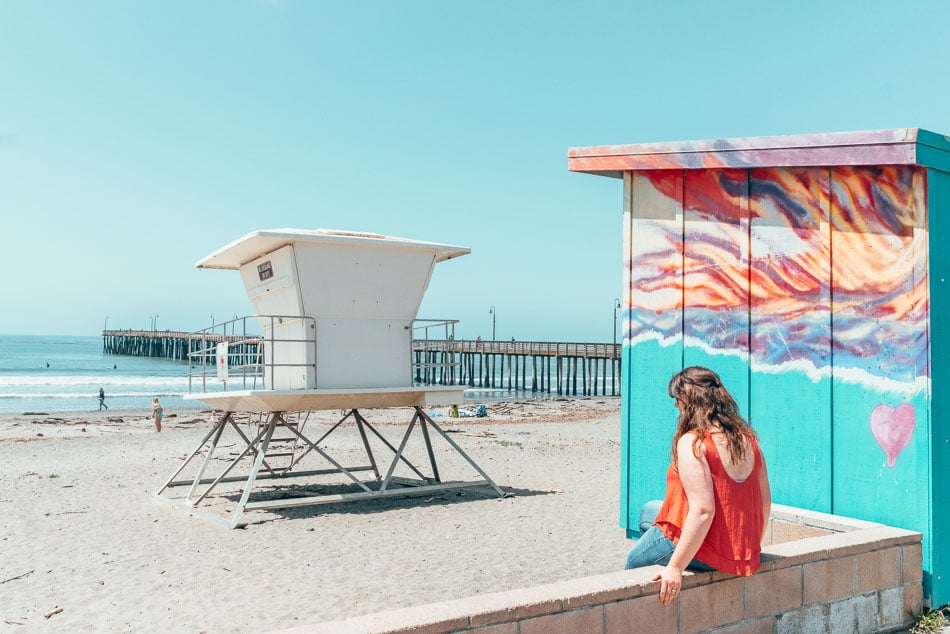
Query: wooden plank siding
x,y
809,271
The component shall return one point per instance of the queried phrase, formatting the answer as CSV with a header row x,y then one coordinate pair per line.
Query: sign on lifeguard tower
x,y
335,313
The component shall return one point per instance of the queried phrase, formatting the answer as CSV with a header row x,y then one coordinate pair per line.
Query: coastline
x,y
88,535
51,424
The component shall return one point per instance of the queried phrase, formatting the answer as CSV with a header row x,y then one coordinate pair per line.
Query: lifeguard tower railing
x,y
246,365
431,356
242,363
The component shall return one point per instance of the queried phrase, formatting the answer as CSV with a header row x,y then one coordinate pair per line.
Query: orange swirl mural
x,y
753,242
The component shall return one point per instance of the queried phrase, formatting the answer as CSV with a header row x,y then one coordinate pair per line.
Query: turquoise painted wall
x,y
938,524
809,290
646,406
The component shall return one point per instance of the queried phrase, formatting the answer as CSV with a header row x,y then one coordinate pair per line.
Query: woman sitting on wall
x,y
718,498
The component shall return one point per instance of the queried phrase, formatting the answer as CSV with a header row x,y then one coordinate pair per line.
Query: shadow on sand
x,y
367,506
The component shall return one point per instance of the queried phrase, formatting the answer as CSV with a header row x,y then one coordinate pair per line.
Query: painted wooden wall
x,y
807,290
938,196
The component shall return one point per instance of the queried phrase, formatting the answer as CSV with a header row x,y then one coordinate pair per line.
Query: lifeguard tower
x,y
333,330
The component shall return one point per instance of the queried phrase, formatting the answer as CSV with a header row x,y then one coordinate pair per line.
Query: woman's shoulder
x,y
688,441
688,436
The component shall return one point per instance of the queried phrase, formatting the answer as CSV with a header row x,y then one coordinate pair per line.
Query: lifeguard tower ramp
x,y
333,330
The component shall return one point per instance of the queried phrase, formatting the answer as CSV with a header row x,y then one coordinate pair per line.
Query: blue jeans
x,y
653,547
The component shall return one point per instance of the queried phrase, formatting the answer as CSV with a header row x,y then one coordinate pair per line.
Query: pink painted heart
x,y
892,428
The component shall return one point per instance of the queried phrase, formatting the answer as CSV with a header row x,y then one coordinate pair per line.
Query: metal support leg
x,y
321,438
326,457
250,444
369,450
260,442
398,456
204,463
459,449
260,456
425,434
393,449
193,453
271,425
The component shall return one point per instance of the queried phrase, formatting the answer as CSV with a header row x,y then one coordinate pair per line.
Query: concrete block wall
x,y
867,578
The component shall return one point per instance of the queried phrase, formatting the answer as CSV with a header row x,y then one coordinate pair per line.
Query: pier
x,y
562,368
537,366
162,344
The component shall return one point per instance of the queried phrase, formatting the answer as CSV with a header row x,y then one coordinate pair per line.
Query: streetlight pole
x,y
105,324
492,311
616,307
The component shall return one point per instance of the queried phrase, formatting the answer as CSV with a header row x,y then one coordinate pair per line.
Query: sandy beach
x,y
87,545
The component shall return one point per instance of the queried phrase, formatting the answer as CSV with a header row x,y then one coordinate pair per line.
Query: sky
x,y
138,137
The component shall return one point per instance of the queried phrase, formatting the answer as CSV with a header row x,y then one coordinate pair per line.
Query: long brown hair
x,y
704,403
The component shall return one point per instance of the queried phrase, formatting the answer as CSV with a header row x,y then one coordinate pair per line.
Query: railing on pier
x,y
504,365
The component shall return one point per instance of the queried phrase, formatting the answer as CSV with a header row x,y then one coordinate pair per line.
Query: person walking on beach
x,y
102,399
157,413
718,498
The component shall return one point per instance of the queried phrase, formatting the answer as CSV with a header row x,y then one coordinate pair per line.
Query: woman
x,y
717,500
157,413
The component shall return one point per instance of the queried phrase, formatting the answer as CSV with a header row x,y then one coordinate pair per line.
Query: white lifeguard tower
x,y
335,313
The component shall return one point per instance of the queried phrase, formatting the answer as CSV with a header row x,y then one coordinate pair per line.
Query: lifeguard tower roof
x,y
257,243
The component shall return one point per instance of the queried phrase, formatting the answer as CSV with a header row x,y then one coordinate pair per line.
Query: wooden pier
x,y
536,366
163,344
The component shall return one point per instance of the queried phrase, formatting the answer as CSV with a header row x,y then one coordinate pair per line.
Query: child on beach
x,y
213,419
157,413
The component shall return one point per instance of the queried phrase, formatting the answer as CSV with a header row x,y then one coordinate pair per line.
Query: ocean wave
x,y
25,380
91,396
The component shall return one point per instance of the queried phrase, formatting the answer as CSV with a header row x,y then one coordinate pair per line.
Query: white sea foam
x,y
97,380
91,395
855,376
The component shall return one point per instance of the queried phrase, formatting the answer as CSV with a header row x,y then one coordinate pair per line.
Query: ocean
x,y
58,373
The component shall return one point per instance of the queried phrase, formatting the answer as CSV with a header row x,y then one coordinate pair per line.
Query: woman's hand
x,y
671,581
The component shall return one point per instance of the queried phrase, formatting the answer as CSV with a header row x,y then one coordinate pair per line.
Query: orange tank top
x,y
733,542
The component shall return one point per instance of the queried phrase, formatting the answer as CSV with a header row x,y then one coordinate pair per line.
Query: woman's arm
x,y
697,483
766,495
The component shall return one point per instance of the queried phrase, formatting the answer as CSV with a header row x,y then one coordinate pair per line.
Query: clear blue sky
x,y
137,137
